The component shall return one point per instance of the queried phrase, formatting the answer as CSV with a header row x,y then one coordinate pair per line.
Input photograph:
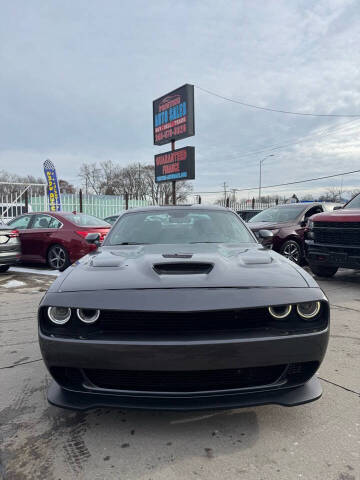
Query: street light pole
x,y
260,165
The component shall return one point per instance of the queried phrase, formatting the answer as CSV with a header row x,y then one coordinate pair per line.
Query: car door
x,y
41,229
21,224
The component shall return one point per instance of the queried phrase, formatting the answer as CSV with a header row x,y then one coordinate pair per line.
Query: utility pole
x,y
225,193
173,184
260,165
139,182
233,191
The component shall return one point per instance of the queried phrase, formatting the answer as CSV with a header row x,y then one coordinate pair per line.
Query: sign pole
x,y
173,182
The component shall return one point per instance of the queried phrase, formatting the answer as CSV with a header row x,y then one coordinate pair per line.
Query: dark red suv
x,y
288,222
57,239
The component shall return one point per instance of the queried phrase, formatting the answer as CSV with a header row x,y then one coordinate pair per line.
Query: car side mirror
x,y
93,239
338,207
266,238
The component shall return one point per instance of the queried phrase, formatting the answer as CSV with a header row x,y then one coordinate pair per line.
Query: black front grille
x,y
337,233
298,373
341,225
178,324
184,381
170,322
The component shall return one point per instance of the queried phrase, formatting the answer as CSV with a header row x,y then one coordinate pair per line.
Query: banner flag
x,y
53,186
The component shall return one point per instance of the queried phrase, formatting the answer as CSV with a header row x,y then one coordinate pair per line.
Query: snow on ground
x,y
35,271
13,284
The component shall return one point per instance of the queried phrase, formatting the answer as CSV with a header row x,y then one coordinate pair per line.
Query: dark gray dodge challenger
x,y
182,308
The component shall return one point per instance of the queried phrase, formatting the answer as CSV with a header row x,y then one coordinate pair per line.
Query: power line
x,y
290,183
314,136
325,132
268,109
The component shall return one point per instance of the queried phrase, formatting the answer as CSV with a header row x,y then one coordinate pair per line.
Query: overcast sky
x,y
78,77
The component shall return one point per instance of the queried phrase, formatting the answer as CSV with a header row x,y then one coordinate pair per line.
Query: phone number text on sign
x,y
171,132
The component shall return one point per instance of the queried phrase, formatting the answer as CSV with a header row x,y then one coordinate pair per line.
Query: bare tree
x,y
10,180
332,194
92,177
66,187
136,179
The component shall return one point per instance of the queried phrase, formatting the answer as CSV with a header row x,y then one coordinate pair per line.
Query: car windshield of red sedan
x,y
278,214
178,226
84,220
354,203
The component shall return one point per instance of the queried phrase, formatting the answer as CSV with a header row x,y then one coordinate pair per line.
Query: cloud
x,y
78,80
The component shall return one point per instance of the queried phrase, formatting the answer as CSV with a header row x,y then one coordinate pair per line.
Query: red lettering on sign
x,y
168,102
172,168
171,157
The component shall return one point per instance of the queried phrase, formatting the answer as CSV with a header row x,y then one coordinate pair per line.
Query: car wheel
x,y
58,258
4,268
322,271
292,250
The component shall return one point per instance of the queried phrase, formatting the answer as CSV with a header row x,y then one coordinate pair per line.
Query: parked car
x,y
247,214
57,239
333,240
112,219
181,308
10,250
288,222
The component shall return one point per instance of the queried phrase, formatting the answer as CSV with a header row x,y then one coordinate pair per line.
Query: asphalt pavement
x,y
320,440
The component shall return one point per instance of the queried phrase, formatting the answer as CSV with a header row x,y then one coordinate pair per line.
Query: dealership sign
x,y
175,165
173,115
52,187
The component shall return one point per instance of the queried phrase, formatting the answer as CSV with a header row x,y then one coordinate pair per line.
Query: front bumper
x,y
332,256
78,356
288,397
9,257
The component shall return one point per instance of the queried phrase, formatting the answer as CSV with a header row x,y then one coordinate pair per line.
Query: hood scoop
x,y
183,268
177,255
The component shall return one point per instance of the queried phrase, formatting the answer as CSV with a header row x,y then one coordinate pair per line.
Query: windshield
x,y
354,203
84,220
278,214
178,226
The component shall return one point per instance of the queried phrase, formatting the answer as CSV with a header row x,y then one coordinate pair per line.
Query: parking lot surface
x,y
320,440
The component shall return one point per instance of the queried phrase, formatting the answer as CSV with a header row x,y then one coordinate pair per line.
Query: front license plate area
x,y
338,257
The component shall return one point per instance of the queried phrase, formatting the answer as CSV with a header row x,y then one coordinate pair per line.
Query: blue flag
x,y
53,186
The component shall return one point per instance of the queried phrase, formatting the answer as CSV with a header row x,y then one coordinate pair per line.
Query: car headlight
x,y
59,315
280,312
88,315
310,224
308,310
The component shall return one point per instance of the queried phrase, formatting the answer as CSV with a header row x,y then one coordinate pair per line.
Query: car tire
x,y
58,258
292,250
4,268
322,271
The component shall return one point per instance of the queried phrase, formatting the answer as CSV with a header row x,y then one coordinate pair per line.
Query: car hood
x,y
256,226
143,267
343,215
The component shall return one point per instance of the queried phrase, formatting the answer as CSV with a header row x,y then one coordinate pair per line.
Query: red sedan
x,y
57,239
